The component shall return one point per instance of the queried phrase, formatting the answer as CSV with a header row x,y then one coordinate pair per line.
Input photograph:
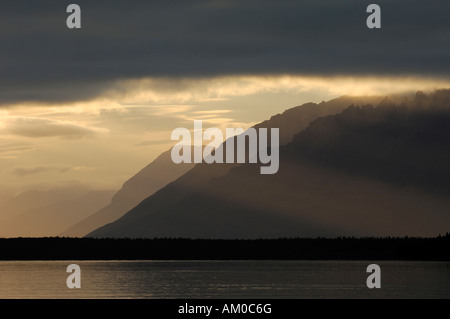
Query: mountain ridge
x,y
221,201
291,120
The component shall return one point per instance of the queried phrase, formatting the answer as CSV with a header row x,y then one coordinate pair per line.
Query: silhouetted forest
x,y
370,248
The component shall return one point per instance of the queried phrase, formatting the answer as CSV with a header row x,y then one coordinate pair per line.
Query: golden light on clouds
x,y
154,90
175,94
111,137
35,127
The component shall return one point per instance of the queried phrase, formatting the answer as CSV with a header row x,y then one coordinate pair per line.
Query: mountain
x,y
27,200
3,199
296,119
154,176
42,213
163,171
367,171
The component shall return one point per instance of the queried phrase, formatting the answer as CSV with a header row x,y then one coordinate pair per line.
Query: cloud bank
x,y
41,60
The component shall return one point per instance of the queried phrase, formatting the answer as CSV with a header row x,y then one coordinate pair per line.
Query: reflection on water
x,y
223,279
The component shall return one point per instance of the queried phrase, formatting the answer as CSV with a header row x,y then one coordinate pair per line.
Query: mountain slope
x,y
163,171
295,120
367,171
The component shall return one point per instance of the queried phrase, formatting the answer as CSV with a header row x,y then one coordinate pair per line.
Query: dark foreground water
x,y
223,279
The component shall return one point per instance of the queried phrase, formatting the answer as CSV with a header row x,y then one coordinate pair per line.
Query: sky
x,y
95,105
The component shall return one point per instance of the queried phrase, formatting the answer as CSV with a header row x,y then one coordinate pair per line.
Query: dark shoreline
x,y
370,248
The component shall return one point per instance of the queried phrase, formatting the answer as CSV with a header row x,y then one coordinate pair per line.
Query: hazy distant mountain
x,y
40,213
27,200
3,199
379,171
154,176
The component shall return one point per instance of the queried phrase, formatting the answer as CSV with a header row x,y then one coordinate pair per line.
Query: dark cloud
x,y
42,60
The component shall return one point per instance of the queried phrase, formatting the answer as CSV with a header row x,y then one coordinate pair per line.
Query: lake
x,y
224,279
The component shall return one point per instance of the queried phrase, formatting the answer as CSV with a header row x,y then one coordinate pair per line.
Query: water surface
x,y
223,279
